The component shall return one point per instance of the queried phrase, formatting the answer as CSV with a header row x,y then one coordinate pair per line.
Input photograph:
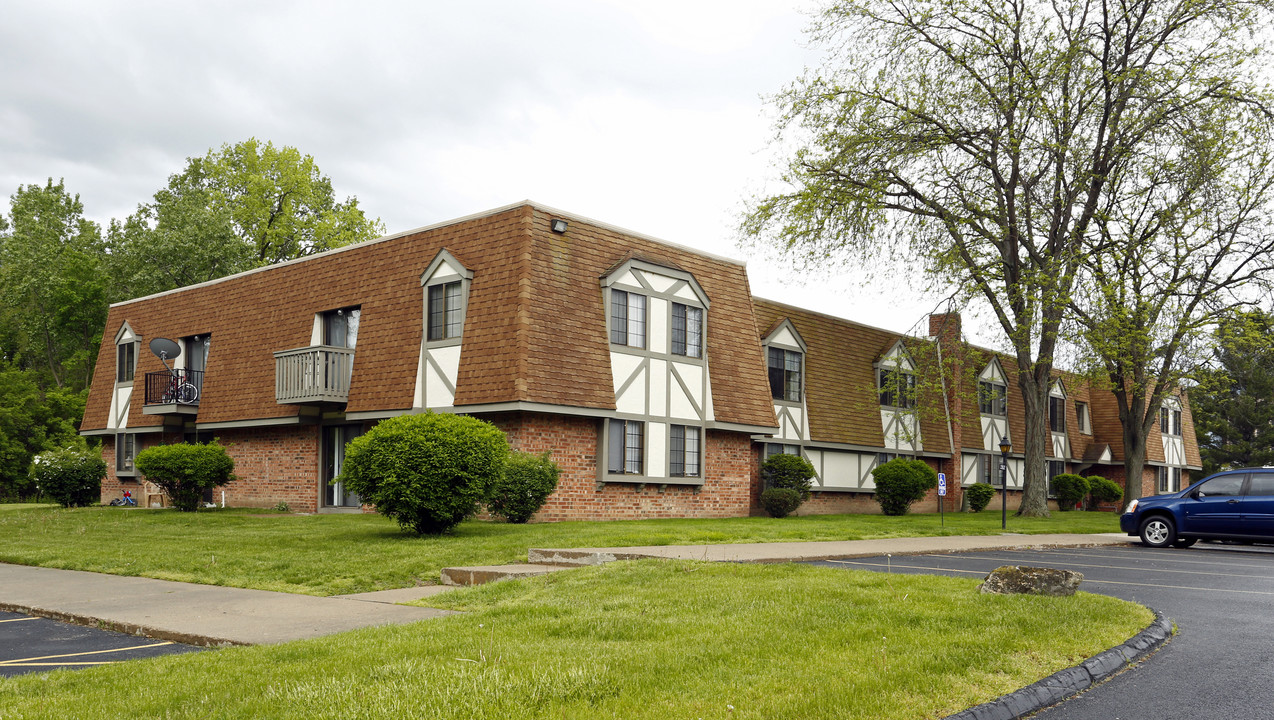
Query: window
x,y
772,449
687,330
785,374
125,362
340,327
882,458
897,388
1169,420
1170,479
1082,419
1057,414
125,451
446,311
685,451
1055,468
627,440
992,398
1224,486
1261,484
989,470
627,318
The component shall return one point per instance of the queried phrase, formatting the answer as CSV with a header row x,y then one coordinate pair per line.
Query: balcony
x,y
173,393
316,374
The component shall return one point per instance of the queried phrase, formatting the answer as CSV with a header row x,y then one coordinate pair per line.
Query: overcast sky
x,y
646,114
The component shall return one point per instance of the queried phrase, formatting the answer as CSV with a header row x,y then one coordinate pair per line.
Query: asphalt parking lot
x,y
34,644
1221,597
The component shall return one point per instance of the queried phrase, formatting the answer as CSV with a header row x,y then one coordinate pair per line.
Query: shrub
x,y
780,502
1102,490
901,482
187,471
71,477
788,471
1069,490
527,482
980,495
428,472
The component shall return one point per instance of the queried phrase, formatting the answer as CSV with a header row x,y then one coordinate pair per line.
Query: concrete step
x,y
583,557
480,575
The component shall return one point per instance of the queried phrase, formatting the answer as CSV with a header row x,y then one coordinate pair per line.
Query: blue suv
x,y
1230,505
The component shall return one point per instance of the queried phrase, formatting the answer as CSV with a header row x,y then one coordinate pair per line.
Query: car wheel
x,y
1157,532
1184,542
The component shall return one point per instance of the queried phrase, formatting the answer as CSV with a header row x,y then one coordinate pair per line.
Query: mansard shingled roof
x,y
534,324
840,378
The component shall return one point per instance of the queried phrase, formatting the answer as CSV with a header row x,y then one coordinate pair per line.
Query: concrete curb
x,y
156,633
1073,680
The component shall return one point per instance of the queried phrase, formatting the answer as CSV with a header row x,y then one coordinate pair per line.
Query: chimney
x,y
945,327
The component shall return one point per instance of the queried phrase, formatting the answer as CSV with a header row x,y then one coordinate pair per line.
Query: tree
x,y
236,208
981,139
31,421
186,471
52,285
1234,401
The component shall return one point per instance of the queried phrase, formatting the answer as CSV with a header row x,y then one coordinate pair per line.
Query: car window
x,y
1222,486
1262,484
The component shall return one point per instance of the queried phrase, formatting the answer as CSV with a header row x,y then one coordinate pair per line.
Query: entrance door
x,y
335,438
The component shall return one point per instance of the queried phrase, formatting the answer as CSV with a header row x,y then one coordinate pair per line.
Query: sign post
x,y
942,492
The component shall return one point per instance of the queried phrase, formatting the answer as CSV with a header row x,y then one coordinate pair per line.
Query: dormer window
x,y
897,387
1057,414
1169,420
785,374
446,310
627,318
687,330
992,398
125,362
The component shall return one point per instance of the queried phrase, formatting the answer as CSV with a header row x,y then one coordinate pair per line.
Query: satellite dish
x,y
164,348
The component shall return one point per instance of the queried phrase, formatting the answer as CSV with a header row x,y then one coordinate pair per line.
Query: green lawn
x,y
653,639
335,554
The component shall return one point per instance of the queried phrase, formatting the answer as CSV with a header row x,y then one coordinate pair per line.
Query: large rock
x,y
1019,580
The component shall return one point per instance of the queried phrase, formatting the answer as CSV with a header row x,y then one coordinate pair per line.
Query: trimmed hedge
x,y
1069,489
788,471
429,471
780,502
901,482
186,471
979,495
71,477
1102,490
527,482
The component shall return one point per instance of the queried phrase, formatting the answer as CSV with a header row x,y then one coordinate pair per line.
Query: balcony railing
x,y
316,374
173,392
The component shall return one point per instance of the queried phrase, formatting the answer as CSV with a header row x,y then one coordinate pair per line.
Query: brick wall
x,y
573,443
272,464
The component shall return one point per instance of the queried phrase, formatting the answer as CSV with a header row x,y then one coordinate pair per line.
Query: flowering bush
x,y
69,476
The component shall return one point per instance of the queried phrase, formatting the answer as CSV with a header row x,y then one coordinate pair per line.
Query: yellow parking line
x,y
19,619
61,664
6,663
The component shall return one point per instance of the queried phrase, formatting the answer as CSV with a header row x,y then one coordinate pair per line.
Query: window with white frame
x,y
897,387
1169,420
626,445
627,318
445,311
687,330
125,452
993,398
1169,479
125,362
340,327
684,451
785,374
1082,418
772,449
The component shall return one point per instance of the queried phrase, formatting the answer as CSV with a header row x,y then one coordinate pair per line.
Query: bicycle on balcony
x,y
176,388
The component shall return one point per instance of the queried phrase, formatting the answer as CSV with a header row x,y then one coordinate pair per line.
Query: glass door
x,y
335,437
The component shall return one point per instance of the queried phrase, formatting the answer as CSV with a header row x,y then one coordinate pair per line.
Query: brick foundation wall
x,y
573,444
272,464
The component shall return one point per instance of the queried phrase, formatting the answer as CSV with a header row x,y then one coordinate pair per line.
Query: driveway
x,y
1219,665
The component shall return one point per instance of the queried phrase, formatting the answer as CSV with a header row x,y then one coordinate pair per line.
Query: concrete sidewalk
x,y
215,615
805,551
198,614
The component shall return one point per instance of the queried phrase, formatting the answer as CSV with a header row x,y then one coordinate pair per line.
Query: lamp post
x,y
1005,447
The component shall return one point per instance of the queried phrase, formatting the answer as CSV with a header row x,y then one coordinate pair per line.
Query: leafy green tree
x,y
53,286
236,208
985,141
32,421
186,471
1233,403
